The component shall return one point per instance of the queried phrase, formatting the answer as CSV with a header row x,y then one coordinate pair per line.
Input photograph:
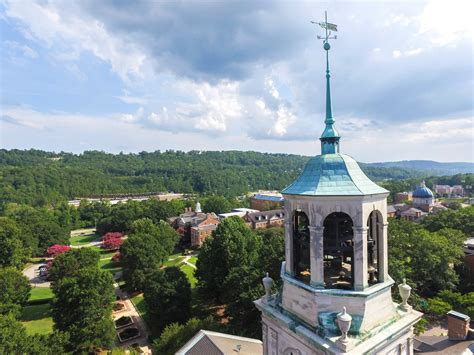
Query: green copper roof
x,y
333,175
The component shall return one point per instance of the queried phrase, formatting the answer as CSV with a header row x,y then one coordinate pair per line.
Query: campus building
x,y
336,295
195,226
266,201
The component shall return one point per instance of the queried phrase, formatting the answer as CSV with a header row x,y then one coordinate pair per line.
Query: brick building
x,y
195,226
265,219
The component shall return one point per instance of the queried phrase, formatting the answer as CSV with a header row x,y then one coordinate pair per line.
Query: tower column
x,y
361,279
383,264
289,265
316,256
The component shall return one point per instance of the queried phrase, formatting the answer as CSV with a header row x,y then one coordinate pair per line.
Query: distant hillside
x,y
42,178
429,167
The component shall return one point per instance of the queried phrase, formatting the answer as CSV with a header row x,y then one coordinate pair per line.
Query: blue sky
x,y
246,75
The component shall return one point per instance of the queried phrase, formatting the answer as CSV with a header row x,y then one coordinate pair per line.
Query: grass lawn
x,y
83,239
105,254
37,319
40,293
193,260
140,304
173,261
189,271
109,265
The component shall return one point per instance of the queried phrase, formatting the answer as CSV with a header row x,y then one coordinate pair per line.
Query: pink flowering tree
x,y
112,240
57,249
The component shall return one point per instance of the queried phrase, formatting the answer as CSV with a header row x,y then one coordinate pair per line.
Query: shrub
x,y
439,307
57,249
112,240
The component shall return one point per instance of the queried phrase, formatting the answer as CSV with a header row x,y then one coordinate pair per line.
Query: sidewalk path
x,y
185,261
138,322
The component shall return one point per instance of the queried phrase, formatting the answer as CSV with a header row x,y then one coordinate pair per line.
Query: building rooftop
x,y
333,175
210,343
265,215
423,192
268,197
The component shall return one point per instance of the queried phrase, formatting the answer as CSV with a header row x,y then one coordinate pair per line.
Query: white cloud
x,y
69,31
413,52
441,140
22,48
132,117
408,53
460,129
446,22
128,99
280,95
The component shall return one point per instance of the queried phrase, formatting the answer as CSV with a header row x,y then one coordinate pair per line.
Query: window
x,y
338,251
374,239
301,249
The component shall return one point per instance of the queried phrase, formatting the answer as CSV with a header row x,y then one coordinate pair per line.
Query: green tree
x,y
272,252
39,227
14,340
175,335
12,251
427,259
462,219
13,337
14,292
72,262
243,285
216,204
231,266
147,246
82,307
232,244
168,297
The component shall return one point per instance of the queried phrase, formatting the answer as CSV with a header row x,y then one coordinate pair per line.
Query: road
x,y
32,273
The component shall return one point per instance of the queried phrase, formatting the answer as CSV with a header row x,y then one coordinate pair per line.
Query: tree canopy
x,y
231,266
40,178
12,250
167,295
425,258
147,246
72,262
82,307
14,291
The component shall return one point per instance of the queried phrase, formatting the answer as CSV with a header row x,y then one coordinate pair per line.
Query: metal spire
x,y
330,137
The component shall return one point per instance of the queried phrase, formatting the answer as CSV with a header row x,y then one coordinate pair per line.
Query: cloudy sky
x,y
247,75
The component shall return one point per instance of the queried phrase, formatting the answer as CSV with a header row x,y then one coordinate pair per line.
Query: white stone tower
x,y
336,295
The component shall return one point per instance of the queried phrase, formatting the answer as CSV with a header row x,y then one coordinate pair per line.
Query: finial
x,y
404,291
344,322
330,137
267,284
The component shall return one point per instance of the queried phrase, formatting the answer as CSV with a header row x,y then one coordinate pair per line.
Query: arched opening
x,y
374,240
338,251
301,248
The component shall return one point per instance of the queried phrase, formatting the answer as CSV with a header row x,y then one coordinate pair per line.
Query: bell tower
x,y
336,294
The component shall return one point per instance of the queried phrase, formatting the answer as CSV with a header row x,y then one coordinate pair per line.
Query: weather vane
x,y
328,27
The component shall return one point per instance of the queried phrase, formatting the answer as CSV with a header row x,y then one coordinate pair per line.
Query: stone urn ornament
x,y
344,320
404,289
267,284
